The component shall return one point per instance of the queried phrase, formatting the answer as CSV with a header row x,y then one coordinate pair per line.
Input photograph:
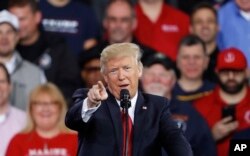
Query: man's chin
x,y
154,92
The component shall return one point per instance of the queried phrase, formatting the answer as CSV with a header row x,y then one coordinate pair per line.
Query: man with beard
x,y
227,108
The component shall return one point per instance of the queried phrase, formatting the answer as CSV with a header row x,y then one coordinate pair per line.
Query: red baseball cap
x,y
231,58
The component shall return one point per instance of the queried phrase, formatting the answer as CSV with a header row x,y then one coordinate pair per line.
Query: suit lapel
x,y
115,115
139,121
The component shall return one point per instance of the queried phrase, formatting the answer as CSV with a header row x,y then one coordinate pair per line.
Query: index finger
x,y
100,85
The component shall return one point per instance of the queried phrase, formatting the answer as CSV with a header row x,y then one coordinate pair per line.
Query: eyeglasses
x,y
40,103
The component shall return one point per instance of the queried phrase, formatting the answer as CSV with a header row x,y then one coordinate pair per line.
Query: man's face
x,y
192,61
122,73
119,22
28,21
243,5
157,80
8,39
232,81
204,25
5,88
91,73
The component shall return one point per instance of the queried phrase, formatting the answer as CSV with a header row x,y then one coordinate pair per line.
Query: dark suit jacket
x,y
102,134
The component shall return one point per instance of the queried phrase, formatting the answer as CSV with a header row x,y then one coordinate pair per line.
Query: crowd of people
x,y
191,54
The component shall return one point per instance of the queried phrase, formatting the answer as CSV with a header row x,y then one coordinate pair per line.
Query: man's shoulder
x,y
30,67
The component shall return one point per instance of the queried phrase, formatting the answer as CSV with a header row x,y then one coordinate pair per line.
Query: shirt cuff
x,y
87,112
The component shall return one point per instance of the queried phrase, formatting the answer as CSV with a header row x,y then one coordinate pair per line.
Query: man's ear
x,y
177,62
247,72
207,59
191,30
83,74
105,78
38,17
17,37
174,79
217,73
218,28
105,23
140,69
134,24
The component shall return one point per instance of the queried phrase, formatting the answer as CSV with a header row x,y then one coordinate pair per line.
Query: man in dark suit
x,y
96,114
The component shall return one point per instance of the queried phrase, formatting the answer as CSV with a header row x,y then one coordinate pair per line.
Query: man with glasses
x,y
227,108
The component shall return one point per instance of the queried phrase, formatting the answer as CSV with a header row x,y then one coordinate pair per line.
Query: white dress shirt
x,y
87,112
246,15
10,65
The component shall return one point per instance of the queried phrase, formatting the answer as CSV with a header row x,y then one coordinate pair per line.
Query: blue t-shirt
x,y
180,95
194,127
234,29
75,22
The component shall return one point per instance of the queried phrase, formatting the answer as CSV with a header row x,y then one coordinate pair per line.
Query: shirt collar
x,y
4,116
11,64
245,15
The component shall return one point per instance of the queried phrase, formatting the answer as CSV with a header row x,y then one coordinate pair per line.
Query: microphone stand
x,y
125,104
126,118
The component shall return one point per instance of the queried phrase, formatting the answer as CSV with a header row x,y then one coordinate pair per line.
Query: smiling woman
x,y
45,133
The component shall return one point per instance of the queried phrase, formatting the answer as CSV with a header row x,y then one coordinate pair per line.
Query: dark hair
x,y
22,3
5,72
88,56
128,2
191,40
159,58
202,5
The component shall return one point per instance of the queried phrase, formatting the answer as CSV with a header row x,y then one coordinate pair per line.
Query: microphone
x,y
125,104
125,99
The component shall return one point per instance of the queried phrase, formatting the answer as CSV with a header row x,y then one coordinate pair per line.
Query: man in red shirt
x,y
160,26
227,108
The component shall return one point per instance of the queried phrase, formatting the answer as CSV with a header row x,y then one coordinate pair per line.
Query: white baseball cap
x,y
7,17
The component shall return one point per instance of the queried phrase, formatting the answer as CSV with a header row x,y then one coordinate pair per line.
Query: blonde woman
x,y
45,133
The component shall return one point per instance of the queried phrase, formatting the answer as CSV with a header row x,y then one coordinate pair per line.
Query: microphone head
x,y
125,98
124,93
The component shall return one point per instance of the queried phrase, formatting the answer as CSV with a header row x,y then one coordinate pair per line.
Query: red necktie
x,y
130,133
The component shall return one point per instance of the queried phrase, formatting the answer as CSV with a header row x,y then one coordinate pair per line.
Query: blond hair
x,y
56,95
121,50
